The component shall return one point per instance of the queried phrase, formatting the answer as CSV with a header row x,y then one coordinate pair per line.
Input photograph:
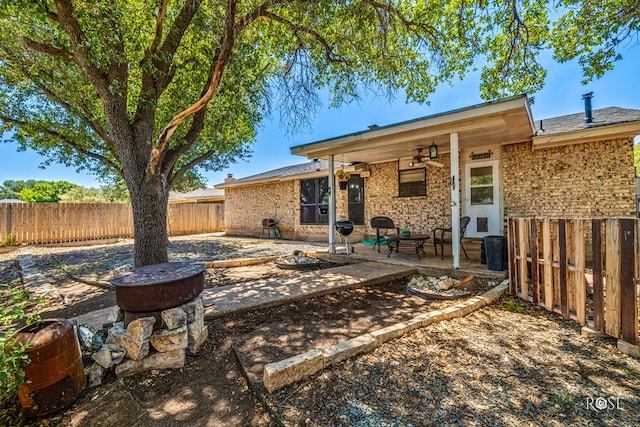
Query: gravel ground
x,y
495,367
491,368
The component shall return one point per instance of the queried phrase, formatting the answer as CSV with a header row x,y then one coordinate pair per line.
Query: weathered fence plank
x,y
598,296
564,294
548,267
535,283
628,289
612,279
579,283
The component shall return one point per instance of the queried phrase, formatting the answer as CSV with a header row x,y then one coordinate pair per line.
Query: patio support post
x,y
455,199
332,207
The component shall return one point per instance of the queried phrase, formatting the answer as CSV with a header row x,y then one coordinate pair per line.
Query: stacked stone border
x,y
277,375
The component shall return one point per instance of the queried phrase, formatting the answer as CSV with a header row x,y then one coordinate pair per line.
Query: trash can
x,y
55,377
495,248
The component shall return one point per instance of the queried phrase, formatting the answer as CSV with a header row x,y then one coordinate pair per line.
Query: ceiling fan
x,y
419,158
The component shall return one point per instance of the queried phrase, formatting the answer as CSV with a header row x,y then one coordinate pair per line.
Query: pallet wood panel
x,y
564,294
612,279
564,274
535,283
579,283
628,288
598,296
548,268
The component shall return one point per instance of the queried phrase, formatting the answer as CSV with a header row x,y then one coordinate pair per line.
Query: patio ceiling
x,y
501,122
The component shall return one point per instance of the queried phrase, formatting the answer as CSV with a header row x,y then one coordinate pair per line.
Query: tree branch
x,y
65,140
46,48
222,57
295,29
79,43
176,176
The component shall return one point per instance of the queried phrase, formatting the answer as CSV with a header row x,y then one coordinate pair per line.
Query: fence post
x,y
628,294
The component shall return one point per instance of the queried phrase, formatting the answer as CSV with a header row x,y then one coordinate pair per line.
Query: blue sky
x,y
561,95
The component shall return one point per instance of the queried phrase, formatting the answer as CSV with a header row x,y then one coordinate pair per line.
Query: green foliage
x,y
46,191
35,191
10,240
513,307
15,308
595,32
562,399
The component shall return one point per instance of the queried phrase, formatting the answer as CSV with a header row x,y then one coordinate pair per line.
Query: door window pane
x,y
481,185
482,176
482,196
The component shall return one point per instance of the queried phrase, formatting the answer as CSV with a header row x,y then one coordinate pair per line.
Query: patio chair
x,y
440,236
382,223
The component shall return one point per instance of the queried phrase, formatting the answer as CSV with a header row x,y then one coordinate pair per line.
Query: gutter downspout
x,y
455,199
332,207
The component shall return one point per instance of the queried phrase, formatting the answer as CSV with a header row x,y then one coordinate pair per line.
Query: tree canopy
x,y
35,191
153,93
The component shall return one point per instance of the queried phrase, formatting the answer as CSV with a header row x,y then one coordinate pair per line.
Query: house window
x,y
482,186
314,201
412,182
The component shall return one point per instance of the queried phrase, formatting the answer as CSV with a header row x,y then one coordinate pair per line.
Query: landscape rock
x,y
109,355
170,359
194,310
141,328
169,339
196,341
95,374
135,349
116,314
174,317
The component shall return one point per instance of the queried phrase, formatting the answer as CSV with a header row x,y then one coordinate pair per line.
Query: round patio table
x,y
393,241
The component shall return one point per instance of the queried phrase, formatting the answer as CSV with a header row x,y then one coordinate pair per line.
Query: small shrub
x,y
514,307
14,311
562,399
10,240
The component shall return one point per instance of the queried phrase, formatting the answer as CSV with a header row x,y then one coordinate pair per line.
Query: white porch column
x,y
332,207
455,199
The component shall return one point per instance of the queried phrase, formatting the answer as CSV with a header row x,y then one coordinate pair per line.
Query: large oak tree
x,y
154,91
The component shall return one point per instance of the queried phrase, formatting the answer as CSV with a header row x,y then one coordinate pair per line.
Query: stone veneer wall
x,y
597,181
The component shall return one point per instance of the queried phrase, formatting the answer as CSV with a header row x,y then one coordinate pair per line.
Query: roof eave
x,y
622,130
321,148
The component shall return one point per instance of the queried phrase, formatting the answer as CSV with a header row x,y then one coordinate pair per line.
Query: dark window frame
x,y
318,209
415,188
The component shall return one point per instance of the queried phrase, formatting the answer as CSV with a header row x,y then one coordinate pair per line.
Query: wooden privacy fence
x,y
584,269
68,222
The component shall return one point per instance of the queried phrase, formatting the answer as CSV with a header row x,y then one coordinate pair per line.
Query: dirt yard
x,y
507,364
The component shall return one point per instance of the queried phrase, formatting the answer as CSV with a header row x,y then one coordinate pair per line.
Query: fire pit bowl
x,y
159,287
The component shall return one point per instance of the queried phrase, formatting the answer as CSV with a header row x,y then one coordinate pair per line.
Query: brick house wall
x,y
589,180
595,179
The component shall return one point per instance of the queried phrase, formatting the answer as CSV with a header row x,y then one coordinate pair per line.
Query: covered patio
x,y
443,145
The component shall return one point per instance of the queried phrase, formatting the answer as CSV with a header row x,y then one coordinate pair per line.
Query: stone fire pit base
x,y
143,345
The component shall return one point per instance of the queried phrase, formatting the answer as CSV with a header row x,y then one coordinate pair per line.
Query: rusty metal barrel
x,y
55,377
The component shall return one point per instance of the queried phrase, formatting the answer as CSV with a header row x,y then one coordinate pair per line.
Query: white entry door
x,y
482,199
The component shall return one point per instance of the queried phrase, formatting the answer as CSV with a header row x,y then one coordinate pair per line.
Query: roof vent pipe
x,y
588,114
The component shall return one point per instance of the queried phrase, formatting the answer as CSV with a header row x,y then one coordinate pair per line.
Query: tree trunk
x,y
149,203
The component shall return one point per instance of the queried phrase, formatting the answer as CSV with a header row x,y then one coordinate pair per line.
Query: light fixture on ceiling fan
x,y
419,158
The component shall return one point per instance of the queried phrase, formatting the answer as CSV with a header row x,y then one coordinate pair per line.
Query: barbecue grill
x,y
345,228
